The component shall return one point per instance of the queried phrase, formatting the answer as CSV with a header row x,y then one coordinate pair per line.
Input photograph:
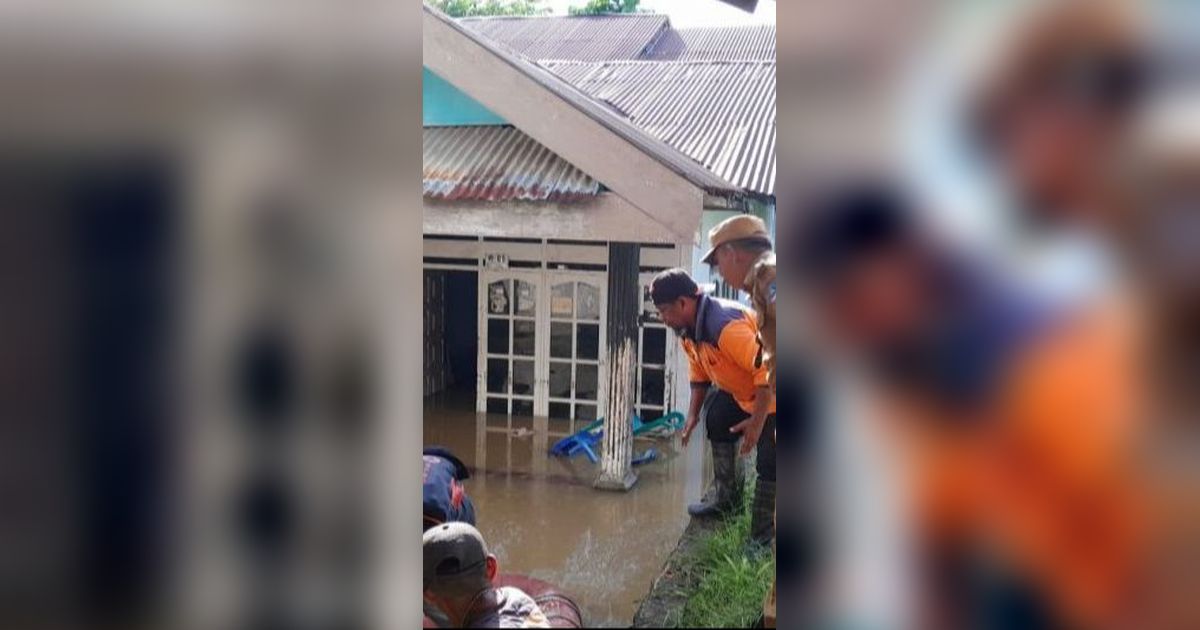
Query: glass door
x,y
575,375
509,331
656,350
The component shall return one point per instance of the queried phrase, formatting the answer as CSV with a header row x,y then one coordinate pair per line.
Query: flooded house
x,y
565,159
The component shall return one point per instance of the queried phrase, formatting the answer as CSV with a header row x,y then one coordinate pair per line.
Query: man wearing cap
x,y
730,388
742,253
1014,423
1053,118
459,583
740,249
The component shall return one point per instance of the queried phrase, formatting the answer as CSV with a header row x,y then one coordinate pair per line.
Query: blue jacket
x,y
445,497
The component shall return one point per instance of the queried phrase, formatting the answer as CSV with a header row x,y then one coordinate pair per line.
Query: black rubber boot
x,y
762,514
722,496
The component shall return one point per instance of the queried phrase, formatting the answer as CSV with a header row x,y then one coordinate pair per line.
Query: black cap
x,y
849,222
672,284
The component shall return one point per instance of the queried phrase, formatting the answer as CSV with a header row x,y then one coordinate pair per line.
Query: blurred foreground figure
x,y
1053,117
1159,237
1014,420
460,584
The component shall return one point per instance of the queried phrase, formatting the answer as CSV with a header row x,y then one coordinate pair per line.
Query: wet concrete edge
x,y
663,605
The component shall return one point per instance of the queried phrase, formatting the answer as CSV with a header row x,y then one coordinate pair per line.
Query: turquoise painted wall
x,y
443,104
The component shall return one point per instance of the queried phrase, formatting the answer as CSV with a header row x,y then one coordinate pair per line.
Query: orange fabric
x,y
1048,477
730,363
1060,473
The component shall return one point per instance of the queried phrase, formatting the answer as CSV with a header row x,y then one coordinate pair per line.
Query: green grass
x,y
730,586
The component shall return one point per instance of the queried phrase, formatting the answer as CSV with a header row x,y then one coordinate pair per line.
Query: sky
x,y
689,13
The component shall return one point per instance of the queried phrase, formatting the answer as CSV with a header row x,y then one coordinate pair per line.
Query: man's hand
x,y
688,427
751,429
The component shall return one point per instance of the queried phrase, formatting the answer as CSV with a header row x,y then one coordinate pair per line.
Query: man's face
x,y
733,265
679,314
875,303
1050,151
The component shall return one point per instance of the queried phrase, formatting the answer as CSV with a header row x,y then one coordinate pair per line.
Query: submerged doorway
x,y
528,341
544,331
451,332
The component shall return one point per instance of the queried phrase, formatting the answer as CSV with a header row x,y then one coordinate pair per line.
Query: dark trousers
x,y
721,413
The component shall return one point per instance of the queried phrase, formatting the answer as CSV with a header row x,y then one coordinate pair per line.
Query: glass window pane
x,y
522,407
585,412
588,306
650,414
497,298
497,332
526,298
654,345
562,300
586,382
497,405
649,311
587,342
497,376
652,386
522,381
523,337
560,340
560,379
560,410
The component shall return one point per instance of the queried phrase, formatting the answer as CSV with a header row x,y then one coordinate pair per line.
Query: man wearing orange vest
x,y
1015,421
740,249
730,389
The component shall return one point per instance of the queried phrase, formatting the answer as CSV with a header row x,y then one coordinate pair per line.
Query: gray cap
x,y
452,553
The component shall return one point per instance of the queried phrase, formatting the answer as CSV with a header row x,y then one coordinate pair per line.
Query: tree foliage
x,y
475,8
600,7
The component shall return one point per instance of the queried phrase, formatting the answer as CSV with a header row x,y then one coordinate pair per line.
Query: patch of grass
x,y
730,586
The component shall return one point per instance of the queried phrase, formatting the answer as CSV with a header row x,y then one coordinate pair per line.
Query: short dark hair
x,y
672,284
849,223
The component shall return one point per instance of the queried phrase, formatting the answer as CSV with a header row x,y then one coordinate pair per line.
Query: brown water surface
x,y
541,516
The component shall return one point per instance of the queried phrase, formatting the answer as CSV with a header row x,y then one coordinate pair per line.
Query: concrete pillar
x,y
624,300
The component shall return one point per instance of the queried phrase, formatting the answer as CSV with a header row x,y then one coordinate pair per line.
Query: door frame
x,y
486,278
542,280
600,279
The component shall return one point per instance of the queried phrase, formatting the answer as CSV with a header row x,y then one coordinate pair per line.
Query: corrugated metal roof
x,y
497,163
724,43
645,142
719,113
580,38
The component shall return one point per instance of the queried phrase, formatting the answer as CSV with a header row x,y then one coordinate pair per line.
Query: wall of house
x,y
442,104
547,265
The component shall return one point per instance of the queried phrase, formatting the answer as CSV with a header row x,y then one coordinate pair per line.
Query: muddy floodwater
x,y
541,516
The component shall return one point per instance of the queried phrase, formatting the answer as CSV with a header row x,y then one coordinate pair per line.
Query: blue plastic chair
x,y
586,438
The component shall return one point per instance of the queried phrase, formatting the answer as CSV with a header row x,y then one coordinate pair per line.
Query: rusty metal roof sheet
x,y
723,43
662,152
580,38
719,113
497,163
